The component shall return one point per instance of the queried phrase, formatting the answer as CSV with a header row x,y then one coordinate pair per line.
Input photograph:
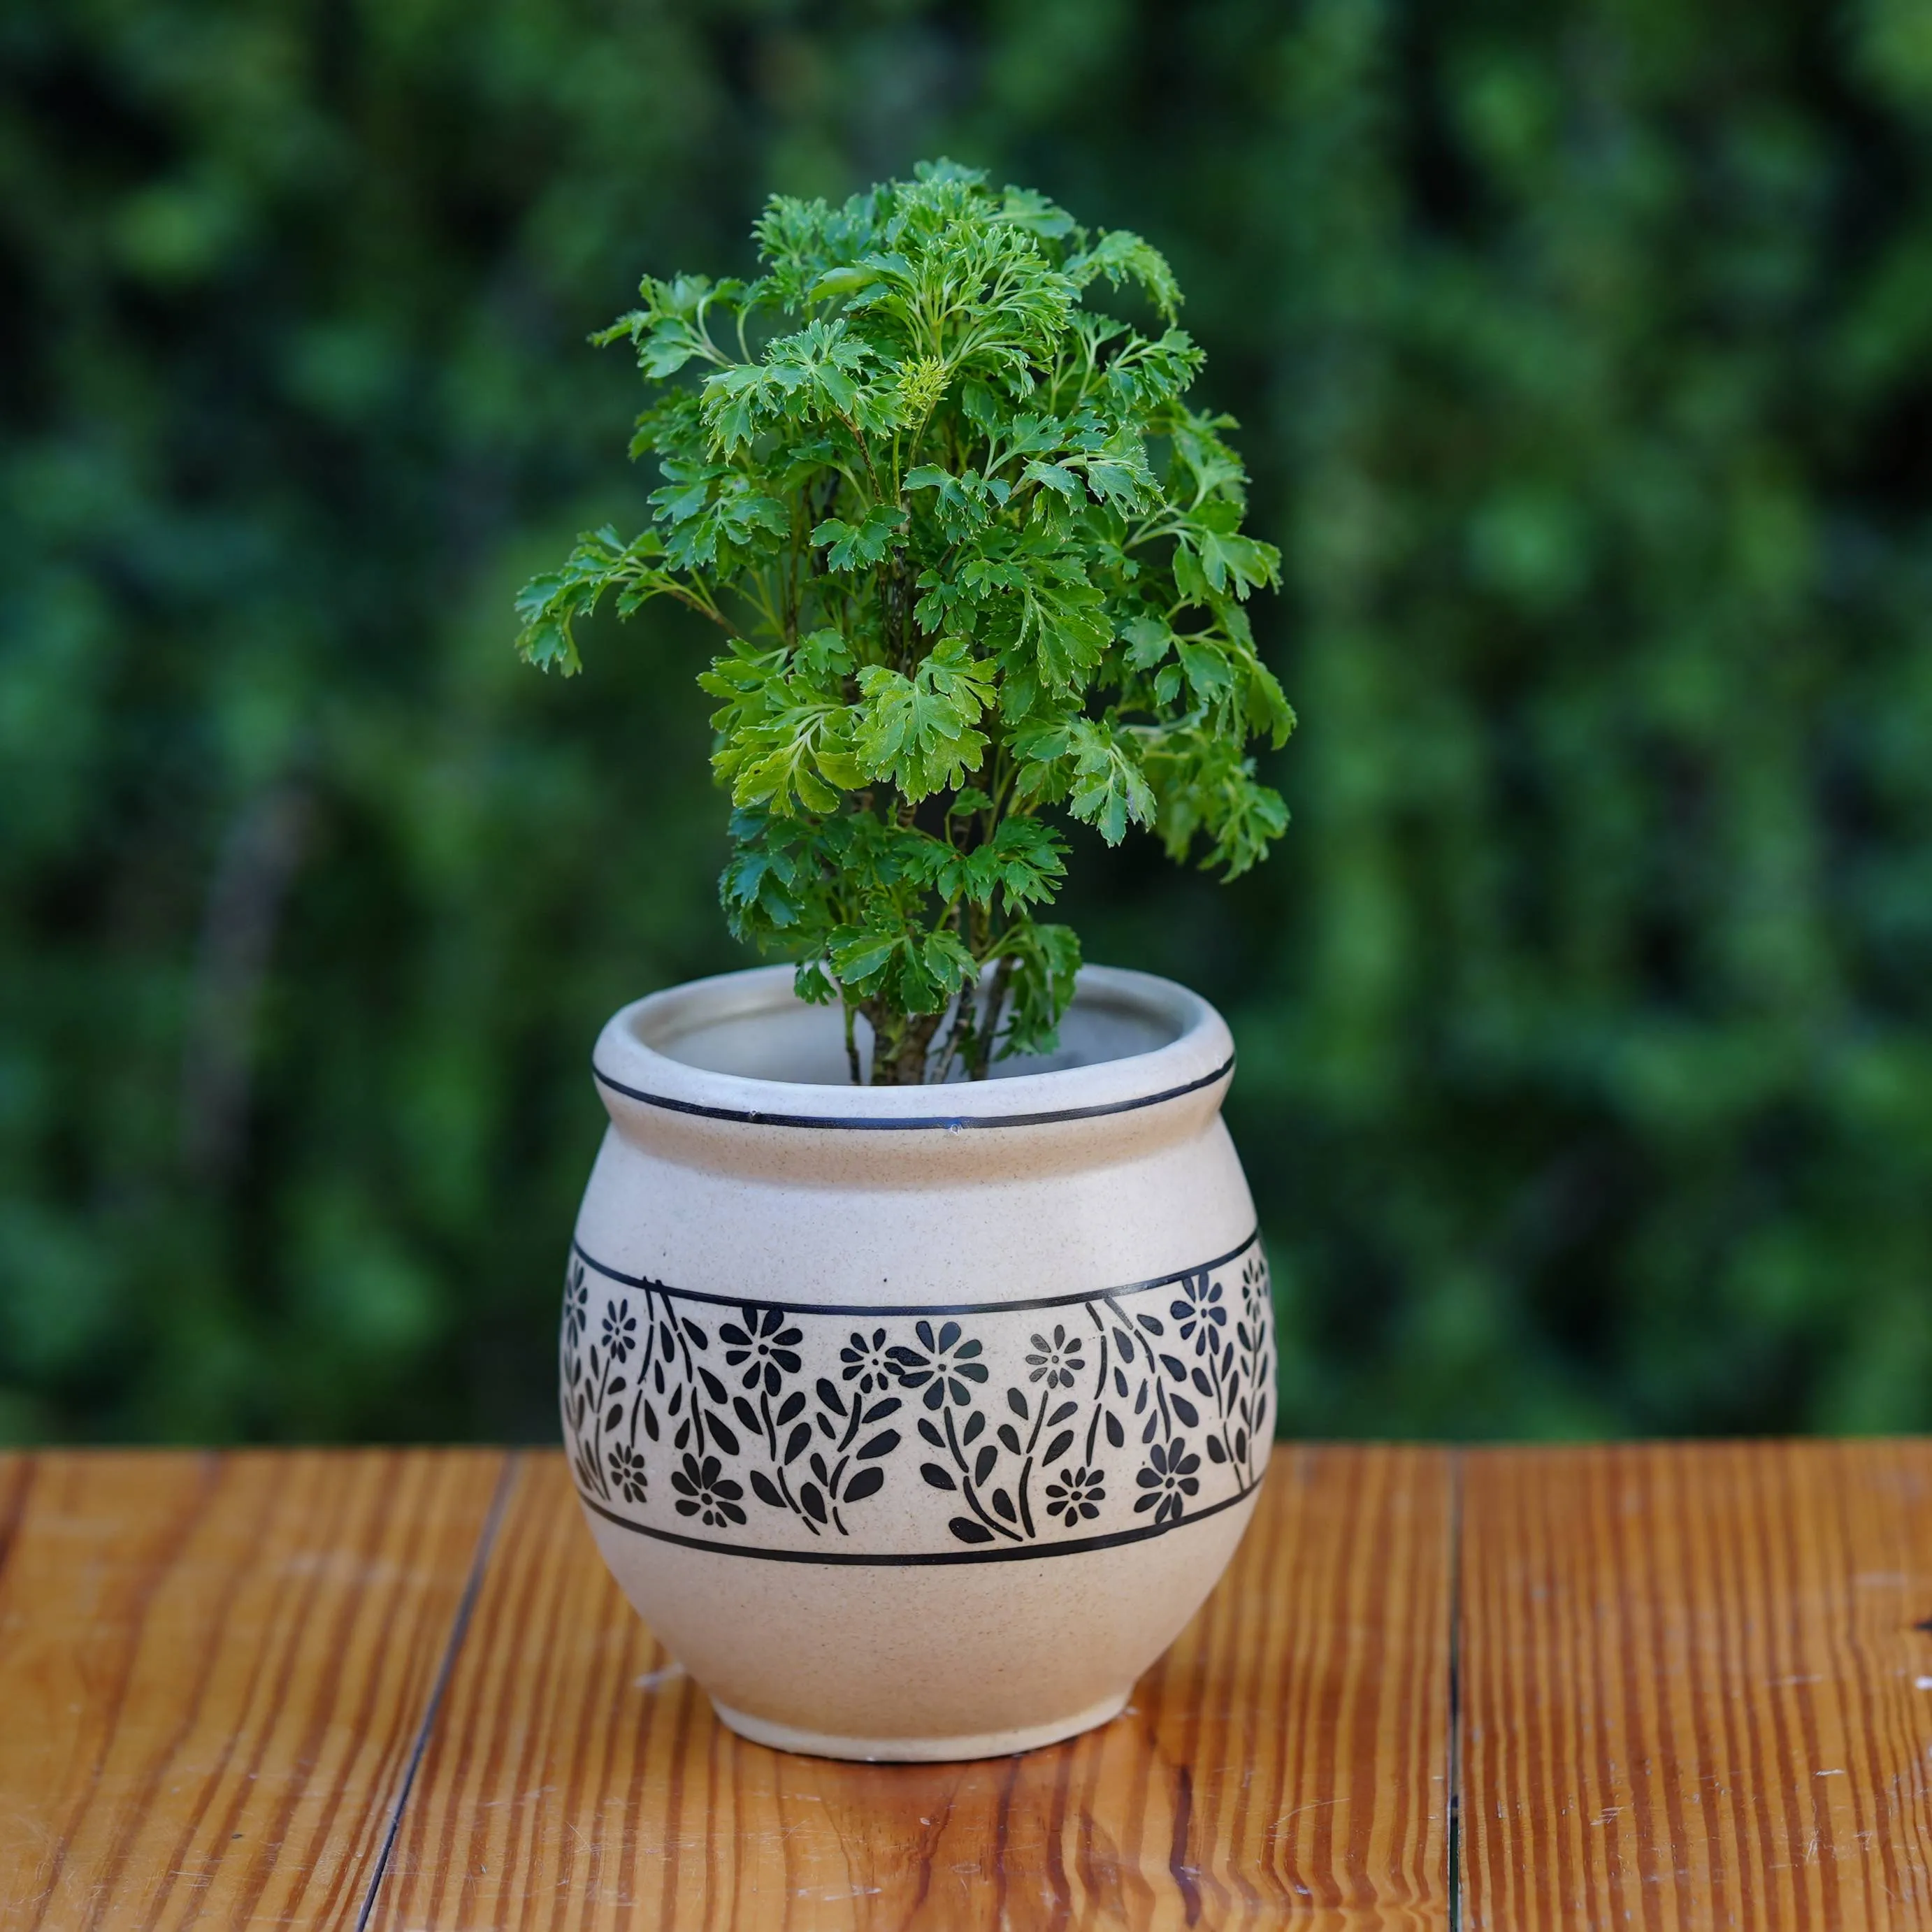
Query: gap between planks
x,y
459,1628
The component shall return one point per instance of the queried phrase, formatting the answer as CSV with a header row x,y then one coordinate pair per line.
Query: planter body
x,y
916,1422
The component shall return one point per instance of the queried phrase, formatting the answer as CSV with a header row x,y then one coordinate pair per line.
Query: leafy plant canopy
x,y
977,562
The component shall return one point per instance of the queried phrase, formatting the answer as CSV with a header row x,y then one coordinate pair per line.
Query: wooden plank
x,y
214,1670
1693,1695
1286,1765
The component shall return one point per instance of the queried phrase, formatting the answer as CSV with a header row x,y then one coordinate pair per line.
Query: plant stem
x,y
987,1031
852,1043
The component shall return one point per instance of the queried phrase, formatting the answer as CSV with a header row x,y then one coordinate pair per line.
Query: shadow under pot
x,y
916,1421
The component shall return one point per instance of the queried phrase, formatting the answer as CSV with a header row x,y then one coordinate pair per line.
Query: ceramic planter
x,y
916,1421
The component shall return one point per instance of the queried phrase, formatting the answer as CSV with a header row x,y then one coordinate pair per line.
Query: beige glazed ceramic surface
x,y
917,1421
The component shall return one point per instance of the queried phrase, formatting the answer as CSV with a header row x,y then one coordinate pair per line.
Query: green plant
x,y
975,557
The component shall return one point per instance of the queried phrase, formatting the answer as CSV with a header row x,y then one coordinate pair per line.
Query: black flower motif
x,y
620,1331
1077,1494
576,1304
942,1364
1200,1313
1058,1361
764,1342
627,1472
704,1490
1169,1480
1254,1286
866,1362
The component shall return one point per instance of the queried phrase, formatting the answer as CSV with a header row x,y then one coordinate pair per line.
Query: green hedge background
x,y
1584,352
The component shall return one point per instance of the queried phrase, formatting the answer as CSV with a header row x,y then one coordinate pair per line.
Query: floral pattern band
x,y
848,1435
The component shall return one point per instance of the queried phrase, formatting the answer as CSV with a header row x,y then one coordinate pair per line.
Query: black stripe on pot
x,y
909,1123
883,1309
1077,1546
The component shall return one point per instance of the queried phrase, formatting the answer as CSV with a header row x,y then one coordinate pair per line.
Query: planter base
x,y
920,1750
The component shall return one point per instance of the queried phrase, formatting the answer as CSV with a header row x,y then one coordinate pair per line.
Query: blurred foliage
x,y
1584,355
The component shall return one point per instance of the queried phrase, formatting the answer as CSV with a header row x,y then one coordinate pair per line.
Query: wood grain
x,y
1697,1687
213,1671
1286,1765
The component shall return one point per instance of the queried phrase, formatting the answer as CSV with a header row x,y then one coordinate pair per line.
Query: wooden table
x,y
1663,1686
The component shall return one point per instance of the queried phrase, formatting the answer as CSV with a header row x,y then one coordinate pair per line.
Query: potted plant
x,y
917,1356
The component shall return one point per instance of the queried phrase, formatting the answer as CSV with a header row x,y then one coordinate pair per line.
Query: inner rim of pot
x,y
763,1031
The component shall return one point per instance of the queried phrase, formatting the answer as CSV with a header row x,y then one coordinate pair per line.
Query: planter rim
x,y
1198,1056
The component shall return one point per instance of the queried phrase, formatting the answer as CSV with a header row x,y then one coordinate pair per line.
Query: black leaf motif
x,y
745,1414
814,1503
650,1422
767,1490
1201,1382
618,1385
1116,1435
1010,1436
1124,1345
699,1339
983,1467
883,1443
1119,1384
1003,1503
930,1430
676,1399
723,1437
616,1416
1153,1428
819,1469
713,1387
1186,1410
825,1428
940,1479
1061,1414
795,1446
1151,1323
879,1411
1057,1447
1017,1403
1216,1453
1140,1400
1241,1444
683,1434
1175,1367
864,1483
794,1403
975,1427
968,1531
830,1396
